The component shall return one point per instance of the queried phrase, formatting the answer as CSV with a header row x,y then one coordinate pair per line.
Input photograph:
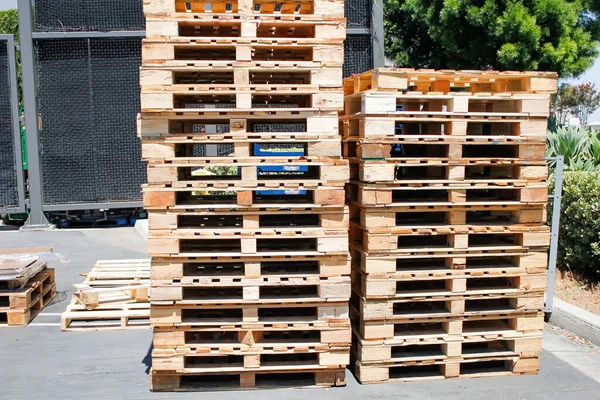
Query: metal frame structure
x,y
14,102
553,252
37,219
376,33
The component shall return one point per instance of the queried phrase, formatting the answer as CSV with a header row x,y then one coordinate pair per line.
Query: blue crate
x,y
270,153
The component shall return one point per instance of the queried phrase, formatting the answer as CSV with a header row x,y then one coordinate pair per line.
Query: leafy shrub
x,y
580,148
579,239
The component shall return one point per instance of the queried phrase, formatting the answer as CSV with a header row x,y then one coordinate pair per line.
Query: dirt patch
x,y
575,291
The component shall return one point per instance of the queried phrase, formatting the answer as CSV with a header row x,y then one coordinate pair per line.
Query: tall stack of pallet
x,y
447,200
248,228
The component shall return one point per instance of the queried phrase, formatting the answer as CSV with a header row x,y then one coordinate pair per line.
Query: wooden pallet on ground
x,y
160,382
19,307
114,295
480,367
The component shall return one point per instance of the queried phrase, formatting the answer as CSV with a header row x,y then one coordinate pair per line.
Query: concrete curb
x,y
577,320
141,227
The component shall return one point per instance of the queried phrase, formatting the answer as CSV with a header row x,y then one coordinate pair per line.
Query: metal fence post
x,y
37,219
14,101
377,33
557,196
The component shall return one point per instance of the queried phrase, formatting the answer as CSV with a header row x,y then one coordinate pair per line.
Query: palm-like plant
x,y
579,147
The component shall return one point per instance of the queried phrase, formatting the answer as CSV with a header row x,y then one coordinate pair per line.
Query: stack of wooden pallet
x,y
248,228
27,285
448,200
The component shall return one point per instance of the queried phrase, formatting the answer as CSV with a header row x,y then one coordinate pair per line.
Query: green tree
x,y
9,24
579,100
553,35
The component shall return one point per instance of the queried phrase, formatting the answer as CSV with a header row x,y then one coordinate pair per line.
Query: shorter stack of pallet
x,y
26,285
448,236
114,295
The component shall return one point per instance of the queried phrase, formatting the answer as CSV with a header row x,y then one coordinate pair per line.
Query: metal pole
x,y
557,196
377,33
37,219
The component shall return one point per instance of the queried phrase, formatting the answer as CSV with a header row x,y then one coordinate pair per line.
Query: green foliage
x,y
580,148
554,35
579,239
9,24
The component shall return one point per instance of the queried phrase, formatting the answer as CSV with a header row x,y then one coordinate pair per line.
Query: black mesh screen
x,y
88,15
358,13
358,54
88,101
8,173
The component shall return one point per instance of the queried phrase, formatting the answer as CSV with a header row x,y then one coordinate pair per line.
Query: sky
x,y
591,75
8,4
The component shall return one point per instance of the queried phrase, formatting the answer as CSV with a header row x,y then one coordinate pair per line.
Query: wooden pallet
x,y
398,174
265,339
247,380
179,77
427,307
383,216
329,8
252,290
265,100
223,242
419,286
446,193
439,125
445,81
468,261
444,369
185,270
510,324
114,295
240,198
258,125
446,149
19,307
184,27
190,171
245,146
427,242
188,361
250,315
391,354
416,103
258,223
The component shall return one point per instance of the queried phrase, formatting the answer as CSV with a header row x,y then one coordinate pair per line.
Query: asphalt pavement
x,y
41,362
